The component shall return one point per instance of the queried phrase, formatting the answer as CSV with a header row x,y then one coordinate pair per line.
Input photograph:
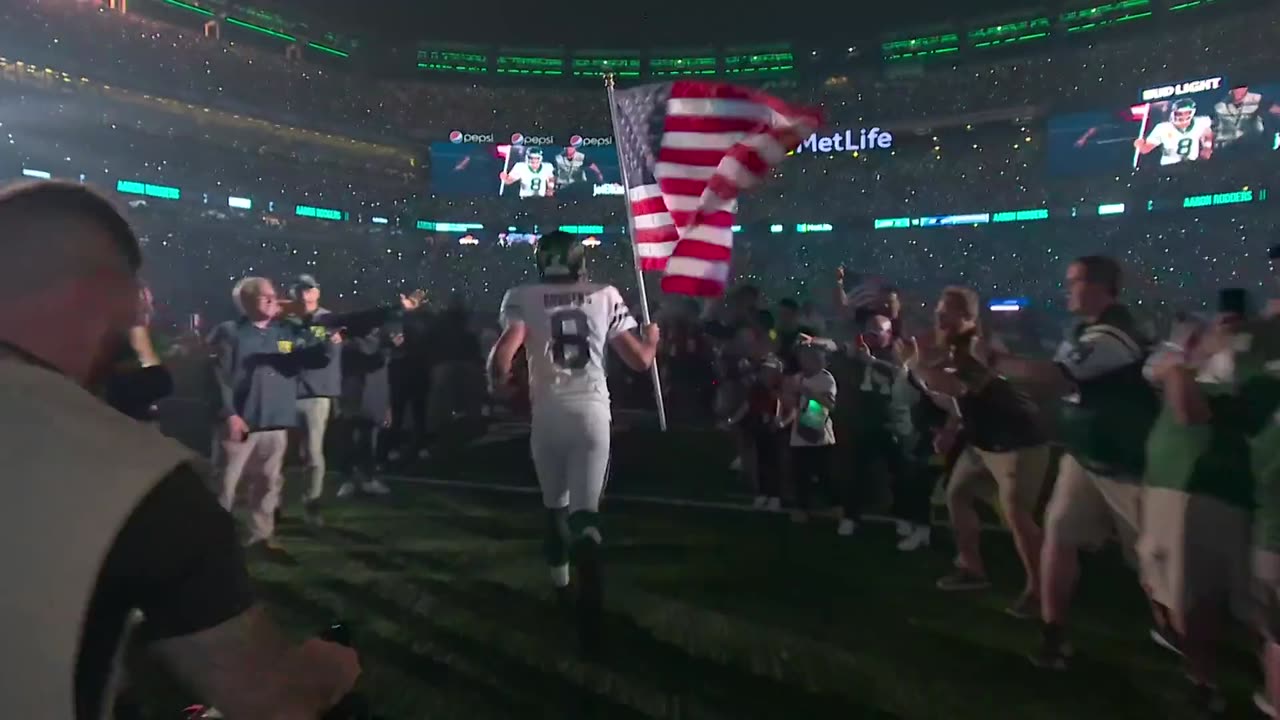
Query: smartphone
x,y
1233,301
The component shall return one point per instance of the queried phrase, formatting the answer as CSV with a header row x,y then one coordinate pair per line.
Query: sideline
x,y
639,499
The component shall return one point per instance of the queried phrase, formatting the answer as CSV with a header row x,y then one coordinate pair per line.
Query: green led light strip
x,y
445,67
259,28
1104,23
192,8
331,51
922,53
1006,41
521,71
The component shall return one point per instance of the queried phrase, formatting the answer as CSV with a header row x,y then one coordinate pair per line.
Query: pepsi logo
x,y
455,137
575,141
517,139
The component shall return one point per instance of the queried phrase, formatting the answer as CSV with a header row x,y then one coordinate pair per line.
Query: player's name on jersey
x,y
847,140
1186,88
554,300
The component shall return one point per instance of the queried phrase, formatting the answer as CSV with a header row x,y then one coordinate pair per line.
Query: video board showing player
x,y
1178,127
579,168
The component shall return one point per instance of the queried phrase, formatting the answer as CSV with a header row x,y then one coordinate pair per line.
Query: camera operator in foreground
x,y
109,516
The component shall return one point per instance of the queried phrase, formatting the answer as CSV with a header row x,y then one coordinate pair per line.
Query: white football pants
x,y
570,447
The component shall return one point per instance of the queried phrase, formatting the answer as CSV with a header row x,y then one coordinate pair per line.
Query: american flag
x,y
866,292
688,148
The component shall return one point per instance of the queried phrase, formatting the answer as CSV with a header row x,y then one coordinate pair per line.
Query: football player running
x,y
565,322
1182,137
536,178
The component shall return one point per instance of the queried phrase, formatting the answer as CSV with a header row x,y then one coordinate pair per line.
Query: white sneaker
x,y
846,527
374,487
760,502
919,538
775,504
346,489
904,528
736,465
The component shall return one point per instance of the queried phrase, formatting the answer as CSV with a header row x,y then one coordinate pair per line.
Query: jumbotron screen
x,y
1203,121
525,167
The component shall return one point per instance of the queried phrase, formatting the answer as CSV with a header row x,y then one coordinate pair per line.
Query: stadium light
x,y
1111,209
240,203
28,172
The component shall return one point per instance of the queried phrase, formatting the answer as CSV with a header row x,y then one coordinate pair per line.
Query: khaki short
x,y
1266,593
1193,548
1013,478
1087,509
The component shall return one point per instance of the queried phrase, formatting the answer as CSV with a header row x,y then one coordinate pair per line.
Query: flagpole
x,y
635,255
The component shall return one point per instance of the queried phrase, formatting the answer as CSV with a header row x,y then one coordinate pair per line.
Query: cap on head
x,y
304,282
560,257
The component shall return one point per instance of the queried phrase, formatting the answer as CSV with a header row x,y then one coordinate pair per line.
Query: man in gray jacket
x,y
317,391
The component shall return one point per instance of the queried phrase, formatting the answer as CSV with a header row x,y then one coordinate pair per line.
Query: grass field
x,y
713,613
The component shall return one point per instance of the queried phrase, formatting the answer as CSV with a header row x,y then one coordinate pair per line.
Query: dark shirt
x,y
258,368
177,560
136,391
998,416
366,382
787,346
875,396
324,381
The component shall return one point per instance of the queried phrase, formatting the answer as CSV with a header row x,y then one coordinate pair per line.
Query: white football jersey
x,y
567,327
533,183
1178,145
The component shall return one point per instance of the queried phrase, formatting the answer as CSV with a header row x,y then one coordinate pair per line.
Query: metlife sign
x,y
846,141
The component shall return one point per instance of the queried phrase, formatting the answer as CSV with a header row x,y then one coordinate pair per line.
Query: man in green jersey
x,y
1107,410
1197,502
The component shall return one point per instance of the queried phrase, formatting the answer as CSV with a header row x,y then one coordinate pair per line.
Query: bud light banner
x,y
1203,126
525,166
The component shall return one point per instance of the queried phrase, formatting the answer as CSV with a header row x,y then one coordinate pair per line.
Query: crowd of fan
x,y
79,129
157,57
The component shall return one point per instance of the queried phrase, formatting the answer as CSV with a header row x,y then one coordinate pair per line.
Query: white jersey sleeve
x,y
1099,350
620,318
568,327
511,311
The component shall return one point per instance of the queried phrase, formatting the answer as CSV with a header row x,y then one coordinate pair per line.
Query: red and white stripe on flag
x,y
717,140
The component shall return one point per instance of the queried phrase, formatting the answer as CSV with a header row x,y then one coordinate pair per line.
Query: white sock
x,y
560,575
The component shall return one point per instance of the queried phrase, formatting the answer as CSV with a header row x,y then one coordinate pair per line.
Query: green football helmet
x,y
560,257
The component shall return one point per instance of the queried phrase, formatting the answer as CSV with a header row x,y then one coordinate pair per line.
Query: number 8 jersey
x,y
567,326
1177,145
